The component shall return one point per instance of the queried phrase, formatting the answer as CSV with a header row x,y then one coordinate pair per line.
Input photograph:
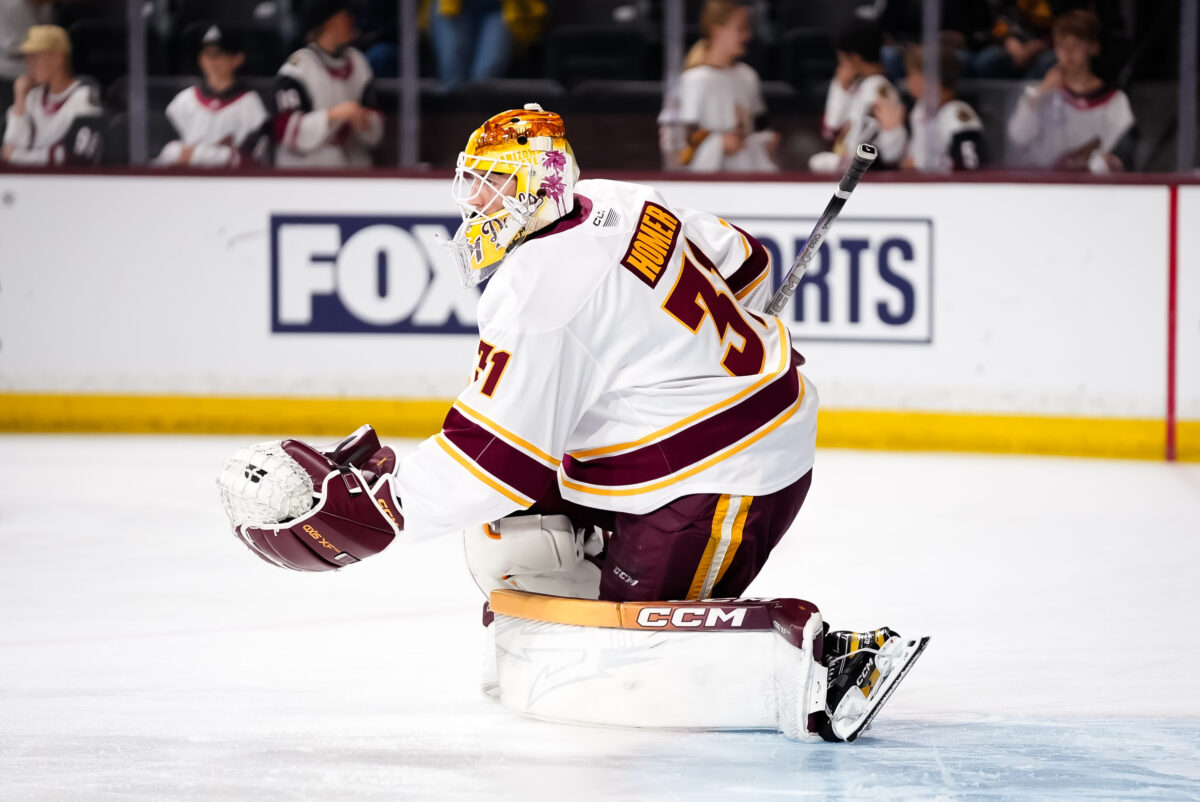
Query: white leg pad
x,y
713,665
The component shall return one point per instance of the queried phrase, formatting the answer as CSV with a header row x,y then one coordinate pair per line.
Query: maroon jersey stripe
x,y
693,444
752,268
496,457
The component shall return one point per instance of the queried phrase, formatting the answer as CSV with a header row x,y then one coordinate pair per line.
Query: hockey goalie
x,y
634,442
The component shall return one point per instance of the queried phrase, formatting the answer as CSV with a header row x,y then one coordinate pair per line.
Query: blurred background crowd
x,y
701,85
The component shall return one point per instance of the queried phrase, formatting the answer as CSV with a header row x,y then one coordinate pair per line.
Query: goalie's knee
x,y
536,553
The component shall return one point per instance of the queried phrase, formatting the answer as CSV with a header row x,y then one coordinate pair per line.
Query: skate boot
x,y
864,669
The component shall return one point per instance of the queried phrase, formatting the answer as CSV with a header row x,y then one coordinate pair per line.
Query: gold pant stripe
x,y
725,518
710,550
739,525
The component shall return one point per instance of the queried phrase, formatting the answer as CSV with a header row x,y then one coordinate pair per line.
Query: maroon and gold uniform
x,y
620,368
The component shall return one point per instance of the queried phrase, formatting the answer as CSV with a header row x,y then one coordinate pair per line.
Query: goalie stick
x,y
864,157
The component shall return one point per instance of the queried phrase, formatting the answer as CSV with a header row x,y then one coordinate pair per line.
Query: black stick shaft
x,y
864,157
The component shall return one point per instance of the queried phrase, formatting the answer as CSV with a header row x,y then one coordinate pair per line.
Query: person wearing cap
x,y
54,118
324,95
220,122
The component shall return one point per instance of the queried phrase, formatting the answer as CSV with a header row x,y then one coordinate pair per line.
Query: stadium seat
x,y
227,11
116,140
601,40
100,48
449,116
828,15
994,101
68,13
580,53
806,54
160,89
613,125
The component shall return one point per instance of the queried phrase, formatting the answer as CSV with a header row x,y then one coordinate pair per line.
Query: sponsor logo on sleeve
x,y
871,280
368,274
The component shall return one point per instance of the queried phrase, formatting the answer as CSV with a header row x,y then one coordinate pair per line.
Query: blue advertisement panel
x,y
367,274
871,281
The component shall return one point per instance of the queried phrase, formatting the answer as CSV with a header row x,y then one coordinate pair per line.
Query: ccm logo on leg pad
x,y
691,617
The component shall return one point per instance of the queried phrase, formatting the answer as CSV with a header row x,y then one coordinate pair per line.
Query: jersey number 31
x,y
694,297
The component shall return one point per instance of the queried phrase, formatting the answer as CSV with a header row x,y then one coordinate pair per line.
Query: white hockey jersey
x,y
309,83
1061,128
957,134
58,128
617,359
227,129
850,121
720,101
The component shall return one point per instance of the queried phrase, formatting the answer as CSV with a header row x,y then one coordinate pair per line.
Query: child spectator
x,y
720,100
54,118
220,122
1072,120
857,86
956,131
325,96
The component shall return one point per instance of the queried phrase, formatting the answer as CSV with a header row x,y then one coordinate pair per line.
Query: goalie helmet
x,y
515,177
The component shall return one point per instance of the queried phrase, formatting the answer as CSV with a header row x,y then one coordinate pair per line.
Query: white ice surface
x,y
146,654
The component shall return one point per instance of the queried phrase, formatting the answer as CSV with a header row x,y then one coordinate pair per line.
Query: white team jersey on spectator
x,y
226,129
1054,126
849,121
307,86
720,101
40,135
616,358
957,138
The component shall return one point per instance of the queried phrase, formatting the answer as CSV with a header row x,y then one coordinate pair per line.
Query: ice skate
x,y
864,669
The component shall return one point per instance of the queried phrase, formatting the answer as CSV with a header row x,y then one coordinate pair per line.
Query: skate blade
x,y
912,650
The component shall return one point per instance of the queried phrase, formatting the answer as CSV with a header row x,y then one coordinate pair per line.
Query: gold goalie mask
x,y
515,177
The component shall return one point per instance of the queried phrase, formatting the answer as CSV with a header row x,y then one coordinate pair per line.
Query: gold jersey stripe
x,y
695,469
749,288
785,350
480,474
513,439
745,242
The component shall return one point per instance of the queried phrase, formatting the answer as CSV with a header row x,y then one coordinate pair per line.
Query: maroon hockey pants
x,y
706,545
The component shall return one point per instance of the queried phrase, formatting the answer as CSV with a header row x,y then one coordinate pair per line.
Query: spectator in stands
x,y
720,100
473,40
953,138
857,86
324,95
220,122
16,17
966,26
1021,43
54,118
1072,120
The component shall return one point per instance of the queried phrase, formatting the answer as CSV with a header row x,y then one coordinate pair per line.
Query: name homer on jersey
x,y
652,244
